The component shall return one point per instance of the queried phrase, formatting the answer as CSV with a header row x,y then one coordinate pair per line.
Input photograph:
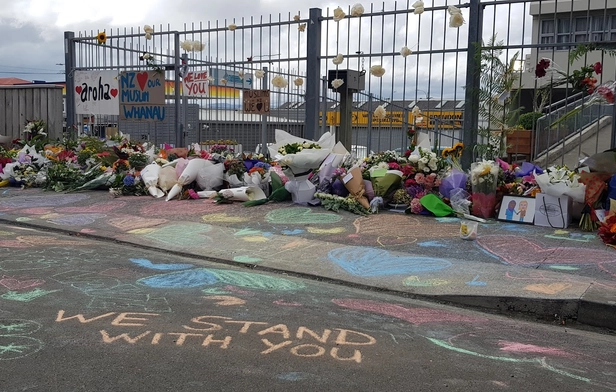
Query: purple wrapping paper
x,y
455,179
527,168
339,189
369,192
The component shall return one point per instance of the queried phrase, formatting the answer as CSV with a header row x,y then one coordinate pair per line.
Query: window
x,y
563,33
547,33
570,28
580,30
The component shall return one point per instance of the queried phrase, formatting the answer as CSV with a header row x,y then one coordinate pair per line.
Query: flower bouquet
x,y
354,182
243,193
234,172
299,157
484,177
385,183
210,176
258,175
149,175
188,175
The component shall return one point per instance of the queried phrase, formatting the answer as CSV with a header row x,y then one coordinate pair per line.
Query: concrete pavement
x,y
566,276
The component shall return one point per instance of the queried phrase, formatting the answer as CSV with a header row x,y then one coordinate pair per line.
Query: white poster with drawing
x,y
196,84
96,92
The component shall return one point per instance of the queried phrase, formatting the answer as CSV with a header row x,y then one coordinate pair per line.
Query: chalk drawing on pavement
x,y
161,208
97,208
571,236
20,282
247,259
333,230
15,347
564,267
129,223
223,218
225,300
187,234
476,282
416,281
76,220
145,263
26,296
301,216
199,277
42,201
548,288
370,262
522,251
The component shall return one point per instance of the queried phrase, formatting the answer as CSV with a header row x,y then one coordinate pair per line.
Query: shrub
x,y
528,120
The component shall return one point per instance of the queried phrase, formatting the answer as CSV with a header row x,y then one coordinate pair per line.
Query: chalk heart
x,y
142,79
301,215
544,288
135,222
370,262
522,251
16,284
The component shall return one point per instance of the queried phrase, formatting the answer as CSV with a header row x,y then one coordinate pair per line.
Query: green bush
x,y
528,120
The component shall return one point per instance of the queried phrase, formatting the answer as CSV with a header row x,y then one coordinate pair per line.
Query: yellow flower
x,y
296,17
101,37
232,26
302,27
103,168
298,82
357,10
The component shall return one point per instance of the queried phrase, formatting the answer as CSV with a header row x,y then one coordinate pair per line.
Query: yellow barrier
x,y
443,120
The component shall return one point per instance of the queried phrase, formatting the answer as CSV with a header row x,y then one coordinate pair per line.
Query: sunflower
x,y
101,37
458,148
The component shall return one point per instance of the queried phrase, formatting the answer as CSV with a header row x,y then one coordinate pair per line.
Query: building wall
x,y
19,104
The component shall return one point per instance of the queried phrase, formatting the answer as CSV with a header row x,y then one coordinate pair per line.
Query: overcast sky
x,y
32,46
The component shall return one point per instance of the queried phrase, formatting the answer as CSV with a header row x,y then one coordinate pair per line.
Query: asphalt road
x,y
83,315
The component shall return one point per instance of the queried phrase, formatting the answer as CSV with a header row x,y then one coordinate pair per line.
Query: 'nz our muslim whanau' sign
x,y
142,96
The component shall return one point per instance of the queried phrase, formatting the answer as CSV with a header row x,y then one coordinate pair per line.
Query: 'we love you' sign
x,y
142,96
96,92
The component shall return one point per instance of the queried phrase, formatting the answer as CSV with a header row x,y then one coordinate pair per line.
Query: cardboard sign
x,y
96,92
142,96
196,84
257,101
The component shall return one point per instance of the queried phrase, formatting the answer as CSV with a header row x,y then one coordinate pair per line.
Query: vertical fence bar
x,y
313,73
69,66
264,149
179,132
471,95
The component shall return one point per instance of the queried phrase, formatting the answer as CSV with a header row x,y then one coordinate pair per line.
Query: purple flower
x,y
24,158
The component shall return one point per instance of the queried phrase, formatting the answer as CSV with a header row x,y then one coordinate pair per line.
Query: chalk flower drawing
x,y
298,82
405,51
338,59
357,10
339,14
302,27
456,19
279,82
337,83
380,113
101,37
377,70
418,7
259,74
148,31
232,27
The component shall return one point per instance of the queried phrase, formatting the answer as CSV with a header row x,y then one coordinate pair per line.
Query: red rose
x,y
598,68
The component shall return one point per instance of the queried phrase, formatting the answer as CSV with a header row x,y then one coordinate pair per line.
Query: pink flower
x,y
416,207
420,178
192,194
394,166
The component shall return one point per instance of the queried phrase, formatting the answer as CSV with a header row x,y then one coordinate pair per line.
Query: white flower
x,y
416,111
42,132
377,70
259,74
302,27
187,45
198,46
456,20
223,81
339,14
453,10
337,83
146,56
232,27
405,51
241,74
418,7
210,79
298,82
414,158
148,29
148,36
296,17
380,112
357,10
279,81
338,59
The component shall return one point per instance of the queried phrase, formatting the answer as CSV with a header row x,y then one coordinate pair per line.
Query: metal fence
x,y
442,67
